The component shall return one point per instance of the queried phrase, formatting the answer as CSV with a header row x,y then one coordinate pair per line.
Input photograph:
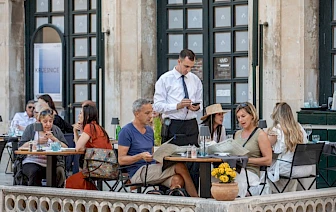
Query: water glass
x,y
316,138
201,150
55,146
229,136
308,128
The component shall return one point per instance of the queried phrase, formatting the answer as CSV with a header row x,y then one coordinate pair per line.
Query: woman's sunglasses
x,y
46,112
242,105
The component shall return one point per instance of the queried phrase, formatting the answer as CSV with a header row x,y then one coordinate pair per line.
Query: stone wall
x,y
290,52
130,55
12,89
23,198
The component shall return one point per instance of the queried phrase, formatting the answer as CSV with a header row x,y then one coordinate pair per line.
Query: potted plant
x,y
226,188
157,129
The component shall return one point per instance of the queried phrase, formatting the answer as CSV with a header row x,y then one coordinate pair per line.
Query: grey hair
x,y
137,104
30,102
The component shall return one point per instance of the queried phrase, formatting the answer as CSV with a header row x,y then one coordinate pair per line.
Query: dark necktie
x,y
186,95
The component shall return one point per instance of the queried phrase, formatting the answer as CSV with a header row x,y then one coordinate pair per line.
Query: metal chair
x,y
12,145
263,183
124,180
305,154
330,181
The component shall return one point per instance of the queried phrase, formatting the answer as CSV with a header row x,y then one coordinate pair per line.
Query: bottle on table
x,y
118,129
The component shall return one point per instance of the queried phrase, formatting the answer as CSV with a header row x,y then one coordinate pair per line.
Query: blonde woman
x,y
284,135
256,142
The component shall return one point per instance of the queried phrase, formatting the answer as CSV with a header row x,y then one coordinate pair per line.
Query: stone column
x,y
11,59
290,52
130,55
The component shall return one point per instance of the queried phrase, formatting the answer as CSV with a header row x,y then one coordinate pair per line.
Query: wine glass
x,y
308,128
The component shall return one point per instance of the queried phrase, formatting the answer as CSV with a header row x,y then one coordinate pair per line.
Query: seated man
x,y
23,119
136,145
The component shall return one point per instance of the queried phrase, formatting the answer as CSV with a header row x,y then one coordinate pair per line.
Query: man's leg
x,y
194,173
182,170
176,181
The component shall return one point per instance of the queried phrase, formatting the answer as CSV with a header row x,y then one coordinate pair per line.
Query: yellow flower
x,y
224,178
224,165
224,173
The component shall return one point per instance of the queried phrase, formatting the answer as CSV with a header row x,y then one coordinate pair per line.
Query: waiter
x,y
178,96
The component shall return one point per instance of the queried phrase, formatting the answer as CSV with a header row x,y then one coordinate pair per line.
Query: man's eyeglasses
x,y
30,107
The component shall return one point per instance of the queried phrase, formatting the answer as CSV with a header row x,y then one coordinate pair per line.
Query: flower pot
x,y
224,191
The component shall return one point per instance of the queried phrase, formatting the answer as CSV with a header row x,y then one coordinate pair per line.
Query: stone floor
x,y
5,179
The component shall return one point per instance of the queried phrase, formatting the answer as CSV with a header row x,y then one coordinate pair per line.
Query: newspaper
x,y
227,146
167,149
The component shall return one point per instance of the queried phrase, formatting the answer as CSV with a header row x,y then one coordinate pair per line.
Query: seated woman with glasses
x,y
214,119
255,140
93,136
284,135
34,166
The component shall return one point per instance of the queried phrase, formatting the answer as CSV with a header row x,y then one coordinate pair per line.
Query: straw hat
x,y
213,109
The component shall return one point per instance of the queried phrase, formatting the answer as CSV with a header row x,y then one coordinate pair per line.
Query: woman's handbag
x,y
100,163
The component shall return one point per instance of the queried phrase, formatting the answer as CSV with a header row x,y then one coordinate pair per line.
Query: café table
x,y
205,168
51,162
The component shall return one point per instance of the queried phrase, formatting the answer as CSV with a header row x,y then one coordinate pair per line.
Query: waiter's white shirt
x,y
169,92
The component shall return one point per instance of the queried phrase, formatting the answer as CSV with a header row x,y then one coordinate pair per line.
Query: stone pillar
x,y
290,52
11,59
130,55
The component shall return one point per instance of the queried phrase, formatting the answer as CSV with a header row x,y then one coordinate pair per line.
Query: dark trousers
x,y
35,173
185,132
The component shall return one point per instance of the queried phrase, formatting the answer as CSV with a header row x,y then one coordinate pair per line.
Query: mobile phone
x,y
195,104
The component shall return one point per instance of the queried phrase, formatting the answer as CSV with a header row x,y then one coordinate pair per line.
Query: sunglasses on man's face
x,y
30,107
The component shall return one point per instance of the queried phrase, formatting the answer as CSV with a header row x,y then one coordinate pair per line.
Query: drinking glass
x,y
229,136
272,132
316,138
201,150
55,146
308,128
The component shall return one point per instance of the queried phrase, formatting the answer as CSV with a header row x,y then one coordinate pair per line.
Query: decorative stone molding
x,y
22,198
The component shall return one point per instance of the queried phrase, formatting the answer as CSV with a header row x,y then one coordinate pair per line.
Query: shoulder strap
x,y
255,129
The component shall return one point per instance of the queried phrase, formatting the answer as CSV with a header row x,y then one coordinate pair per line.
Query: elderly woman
x,y
256,142
284,135
34,166
93,136
214,119
65,127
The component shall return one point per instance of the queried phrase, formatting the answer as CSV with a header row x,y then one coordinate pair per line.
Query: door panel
x,y
217,31
77,19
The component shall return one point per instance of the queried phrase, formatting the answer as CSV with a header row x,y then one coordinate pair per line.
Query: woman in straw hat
x,y
214,119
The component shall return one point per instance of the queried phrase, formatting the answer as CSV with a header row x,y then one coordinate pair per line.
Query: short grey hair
x,y
137,104
30,102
